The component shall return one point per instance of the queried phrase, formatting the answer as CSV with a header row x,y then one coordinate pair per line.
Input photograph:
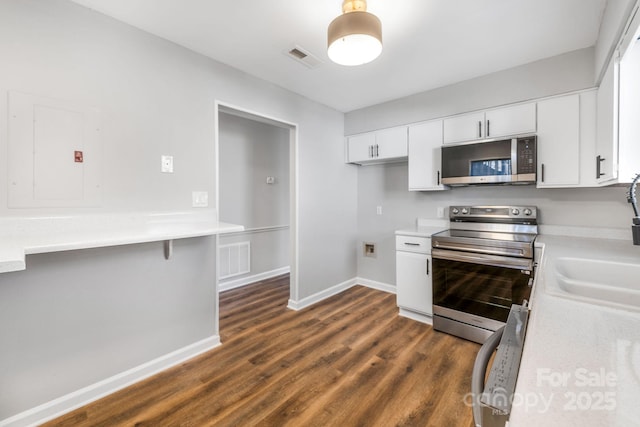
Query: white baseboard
x,y
79,398
385,287
243,281
315,298
423,318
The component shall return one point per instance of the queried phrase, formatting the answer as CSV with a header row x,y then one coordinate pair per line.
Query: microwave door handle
x,y
479,372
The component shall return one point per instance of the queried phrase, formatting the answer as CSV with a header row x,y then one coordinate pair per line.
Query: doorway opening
x,y
256,186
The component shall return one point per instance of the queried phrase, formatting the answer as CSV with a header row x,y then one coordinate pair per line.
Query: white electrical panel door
x,y
54,153
57,135
413,282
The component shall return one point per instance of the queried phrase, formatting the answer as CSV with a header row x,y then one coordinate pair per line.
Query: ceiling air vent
x,y
302,56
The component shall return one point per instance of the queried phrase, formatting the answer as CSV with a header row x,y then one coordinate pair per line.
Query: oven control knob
x,y
465,211
527,212
455,211
515,211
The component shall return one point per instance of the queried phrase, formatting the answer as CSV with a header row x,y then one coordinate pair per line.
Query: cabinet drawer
x,y
413,244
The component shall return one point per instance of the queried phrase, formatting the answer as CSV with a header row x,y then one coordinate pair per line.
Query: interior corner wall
x,y
250,152
155,98
614,18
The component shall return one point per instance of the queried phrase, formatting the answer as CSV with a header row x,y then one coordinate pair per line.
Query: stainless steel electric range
x,y
482,265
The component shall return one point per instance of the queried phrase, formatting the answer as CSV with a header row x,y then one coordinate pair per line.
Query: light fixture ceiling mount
x,y
355,37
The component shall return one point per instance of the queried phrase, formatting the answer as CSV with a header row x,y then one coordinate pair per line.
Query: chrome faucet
x,y
631,198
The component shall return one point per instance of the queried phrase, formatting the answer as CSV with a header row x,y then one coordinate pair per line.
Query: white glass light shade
x,y
354,38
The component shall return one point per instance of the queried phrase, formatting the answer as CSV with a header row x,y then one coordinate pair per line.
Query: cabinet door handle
x,y
438,177
488,124
427,266
479,128
371,151
542,172
411,244
377,150
599,160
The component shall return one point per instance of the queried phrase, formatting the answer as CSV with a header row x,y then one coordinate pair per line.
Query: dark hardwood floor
x,y
347,361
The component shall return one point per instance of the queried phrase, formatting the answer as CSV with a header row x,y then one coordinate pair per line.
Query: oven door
x,y
479,289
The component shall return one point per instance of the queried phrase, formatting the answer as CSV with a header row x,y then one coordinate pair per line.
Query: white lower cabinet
x,y
413,277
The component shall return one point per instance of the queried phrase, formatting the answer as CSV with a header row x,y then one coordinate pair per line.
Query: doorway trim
x,y
220,106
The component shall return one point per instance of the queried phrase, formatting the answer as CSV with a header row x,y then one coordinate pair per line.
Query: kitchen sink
x,y
599,281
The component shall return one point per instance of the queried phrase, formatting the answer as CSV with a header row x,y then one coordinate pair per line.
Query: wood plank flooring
x,y
347,361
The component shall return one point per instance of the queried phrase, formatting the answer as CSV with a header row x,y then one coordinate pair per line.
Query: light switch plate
x,y
167,164
200,199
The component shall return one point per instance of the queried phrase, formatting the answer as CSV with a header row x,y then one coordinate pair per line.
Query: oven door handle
x,y
521,252
476,258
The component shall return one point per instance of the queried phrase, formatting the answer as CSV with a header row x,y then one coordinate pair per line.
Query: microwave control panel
x,y
527,155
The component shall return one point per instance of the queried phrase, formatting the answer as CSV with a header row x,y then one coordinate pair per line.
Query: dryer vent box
x,y
369,249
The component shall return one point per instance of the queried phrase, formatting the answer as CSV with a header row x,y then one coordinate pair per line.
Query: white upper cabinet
x,y
559,141
387,145
425,142
566,141
505,121
392,143
360,147
512,120
606,160
465,127
629,115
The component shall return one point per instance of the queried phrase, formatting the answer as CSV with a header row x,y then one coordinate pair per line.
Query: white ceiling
x,y
427,43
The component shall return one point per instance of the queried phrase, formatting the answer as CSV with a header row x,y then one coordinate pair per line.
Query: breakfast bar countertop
x,y
23,236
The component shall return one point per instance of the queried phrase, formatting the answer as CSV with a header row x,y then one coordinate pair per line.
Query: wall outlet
x,y
440,212
379,210
167,164
200,199
369,249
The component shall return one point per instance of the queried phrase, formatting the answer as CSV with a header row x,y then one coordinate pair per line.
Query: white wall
x,y
551,76
386,186
249,152
76,318
156,98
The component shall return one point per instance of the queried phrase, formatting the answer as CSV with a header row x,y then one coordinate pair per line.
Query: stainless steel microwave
x,y
505,161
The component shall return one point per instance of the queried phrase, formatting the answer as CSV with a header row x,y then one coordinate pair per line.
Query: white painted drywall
x,y
249,152
386,186
156,98
74,318
551,76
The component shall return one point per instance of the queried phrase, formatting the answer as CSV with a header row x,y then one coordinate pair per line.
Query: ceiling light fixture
x,y
355,37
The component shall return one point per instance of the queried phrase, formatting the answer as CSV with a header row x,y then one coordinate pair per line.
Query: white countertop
x,y
424,228
23,236
581,360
